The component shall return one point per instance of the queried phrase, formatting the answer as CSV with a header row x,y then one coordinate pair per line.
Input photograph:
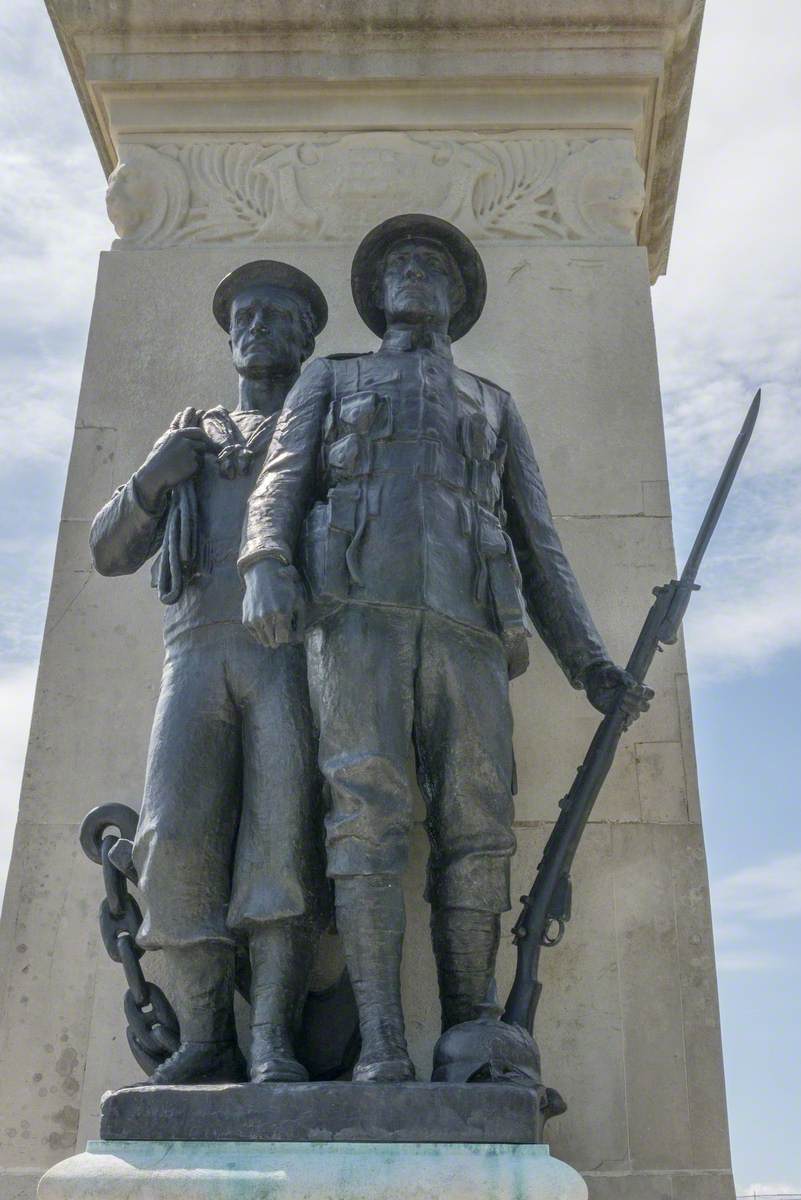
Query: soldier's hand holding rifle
x,y
606,685
274,608
175,457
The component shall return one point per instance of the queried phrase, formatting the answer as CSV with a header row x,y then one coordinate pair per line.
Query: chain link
x,y
153,1033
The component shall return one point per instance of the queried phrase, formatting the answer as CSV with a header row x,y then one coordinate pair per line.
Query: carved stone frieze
x,y
333,187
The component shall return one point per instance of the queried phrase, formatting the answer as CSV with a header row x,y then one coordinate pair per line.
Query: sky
x,y
728,319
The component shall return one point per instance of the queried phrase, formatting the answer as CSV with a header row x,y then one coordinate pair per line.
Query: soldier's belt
x,y
355,456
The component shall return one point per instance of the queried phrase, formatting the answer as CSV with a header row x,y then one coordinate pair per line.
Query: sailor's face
x,y
266,336
418,285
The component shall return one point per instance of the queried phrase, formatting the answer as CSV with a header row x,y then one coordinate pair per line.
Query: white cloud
x,y
27,565
772,1189
728,319
747,611
38,410
52,225
16,701
767,891
748,961
744,901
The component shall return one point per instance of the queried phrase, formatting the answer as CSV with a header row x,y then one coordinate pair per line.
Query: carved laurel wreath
x,y
522,187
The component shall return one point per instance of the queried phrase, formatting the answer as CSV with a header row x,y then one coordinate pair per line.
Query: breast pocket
x,y
479,439
367,413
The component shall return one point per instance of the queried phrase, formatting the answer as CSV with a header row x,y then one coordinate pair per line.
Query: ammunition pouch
x,y
327,534
505,589
354,456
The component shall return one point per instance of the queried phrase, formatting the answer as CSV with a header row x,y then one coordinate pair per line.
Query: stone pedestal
x,y
552,134
436,1141
490,1113
299,1171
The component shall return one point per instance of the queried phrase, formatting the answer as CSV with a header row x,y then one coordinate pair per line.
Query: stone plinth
x,y
552,134
326,1112
172,1170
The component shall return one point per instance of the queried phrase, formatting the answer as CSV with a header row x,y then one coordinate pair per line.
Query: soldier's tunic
x,y
226,833
408,493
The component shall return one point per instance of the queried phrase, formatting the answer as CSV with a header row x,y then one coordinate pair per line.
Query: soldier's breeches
x,y
383,680
227,837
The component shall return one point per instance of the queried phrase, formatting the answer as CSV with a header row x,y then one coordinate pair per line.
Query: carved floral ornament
x,y
334,187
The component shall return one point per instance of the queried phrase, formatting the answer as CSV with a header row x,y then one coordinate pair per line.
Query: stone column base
x,y
311,1171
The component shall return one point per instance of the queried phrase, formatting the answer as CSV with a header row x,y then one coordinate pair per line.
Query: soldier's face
x,y
419,284
266,335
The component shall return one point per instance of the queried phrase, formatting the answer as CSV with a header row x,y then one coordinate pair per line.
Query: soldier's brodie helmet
x,y
277,274
369,259
486,1049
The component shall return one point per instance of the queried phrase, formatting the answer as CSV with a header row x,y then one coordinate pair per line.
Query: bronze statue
x,y
227,847
404,494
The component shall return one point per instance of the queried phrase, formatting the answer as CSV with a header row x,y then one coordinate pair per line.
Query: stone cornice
x,y
123,18
165,73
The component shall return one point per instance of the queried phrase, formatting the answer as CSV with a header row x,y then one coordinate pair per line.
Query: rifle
x,y
546,909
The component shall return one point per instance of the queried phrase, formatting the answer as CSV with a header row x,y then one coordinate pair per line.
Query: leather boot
x,y
371,922
281,955
465,948
203,979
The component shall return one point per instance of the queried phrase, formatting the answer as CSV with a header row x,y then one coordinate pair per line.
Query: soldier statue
x,y
404,494
227,849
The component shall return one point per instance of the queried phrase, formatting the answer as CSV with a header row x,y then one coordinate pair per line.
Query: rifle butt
x,y
521,1006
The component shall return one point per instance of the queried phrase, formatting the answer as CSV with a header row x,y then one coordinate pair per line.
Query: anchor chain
x,y
153,1033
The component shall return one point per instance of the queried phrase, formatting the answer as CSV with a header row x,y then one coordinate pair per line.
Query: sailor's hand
x,y
274,607
176,457
607,685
